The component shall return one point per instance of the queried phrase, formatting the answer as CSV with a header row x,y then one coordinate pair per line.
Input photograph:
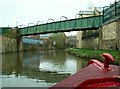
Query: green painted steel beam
x,y
61,26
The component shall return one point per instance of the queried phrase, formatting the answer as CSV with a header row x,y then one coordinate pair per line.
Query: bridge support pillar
x,y
19,42
118,34
79,39
109,36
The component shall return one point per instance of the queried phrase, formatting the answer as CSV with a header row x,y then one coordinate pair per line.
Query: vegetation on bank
x,y
58,40
94,54
11,33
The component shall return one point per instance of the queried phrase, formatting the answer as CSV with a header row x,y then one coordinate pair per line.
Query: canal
x,y
38,69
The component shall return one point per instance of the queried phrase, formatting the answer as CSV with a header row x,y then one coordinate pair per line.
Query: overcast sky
x,y
17,12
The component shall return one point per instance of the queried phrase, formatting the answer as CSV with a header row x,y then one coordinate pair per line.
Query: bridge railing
x,y
111,12
64,26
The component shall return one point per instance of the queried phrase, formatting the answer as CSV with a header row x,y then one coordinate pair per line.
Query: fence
x,y
111,12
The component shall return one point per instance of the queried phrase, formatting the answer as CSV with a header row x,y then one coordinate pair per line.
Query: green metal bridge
x,y
88,23
111,12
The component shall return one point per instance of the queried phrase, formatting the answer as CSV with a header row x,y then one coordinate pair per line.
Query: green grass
x,y
94,54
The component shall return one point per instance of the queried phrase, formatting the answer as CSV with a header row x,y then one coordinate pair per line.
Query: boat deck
x,y
92,73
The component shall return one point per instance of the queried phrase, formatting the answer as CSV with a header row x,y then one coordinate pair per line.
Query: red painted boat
x,y
96,75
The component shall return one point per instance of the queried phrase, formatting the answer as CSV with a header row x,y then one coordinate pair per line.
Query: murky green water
x,y
38,69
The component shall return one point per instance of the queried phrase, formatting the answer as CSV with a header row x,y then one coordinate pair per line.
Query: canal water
x,y
38,69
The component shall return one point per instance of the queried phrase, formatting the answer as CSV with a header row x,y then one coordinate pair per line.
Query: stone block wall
x,y
108,44
109,31
8,45
0,44
108,36
118,34
79,37
92,43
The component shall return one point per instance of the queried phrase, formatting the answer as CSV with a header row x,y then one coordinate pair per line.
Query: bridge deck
x,y
87,23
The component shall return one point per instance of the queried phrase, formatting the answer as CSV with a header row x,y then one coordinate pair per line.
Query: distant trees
x,y
58,40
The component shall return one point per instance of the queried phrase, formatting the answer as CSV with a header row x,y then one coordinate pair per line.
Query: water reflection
x,y
37,69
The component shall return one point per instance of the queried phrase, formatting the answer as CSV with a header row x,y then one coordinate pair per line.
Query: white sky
x,y
17,12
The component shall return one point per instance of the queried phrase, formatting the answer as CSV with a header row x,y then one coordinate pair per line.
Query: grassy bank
x,y
94,54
